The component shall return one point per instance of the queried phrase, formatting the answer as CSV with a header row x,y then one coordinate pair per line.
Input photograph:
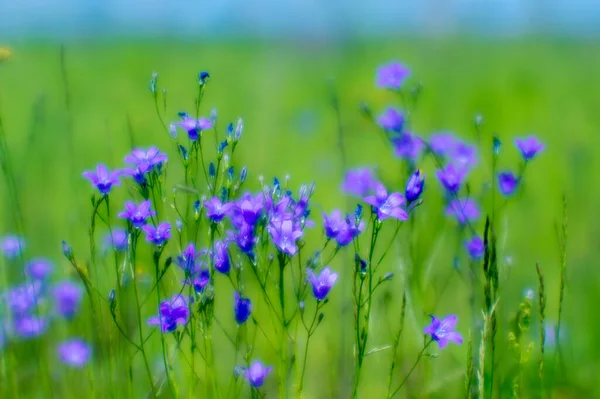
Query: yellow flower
x,y
4,54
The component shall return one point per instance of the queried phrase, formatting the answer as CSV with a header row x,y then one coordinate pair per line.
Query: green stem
x,y
411,370
162,336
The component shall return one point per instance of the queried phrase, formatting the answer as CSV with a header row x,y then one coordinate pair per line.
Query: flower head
x,y
137,214
22,299
392,75
464,210
145,161
187,259
387,206
39,268
256,374
322,283
30,326
192,126
442,332
529,147
74,352
408,146
172,313
157,235
217,210
102,179
391,120
12,246
67,296
221,257
250,207
359,182
475,247
341,229
507,182
451,177
284,234
415,186
242,308
116,240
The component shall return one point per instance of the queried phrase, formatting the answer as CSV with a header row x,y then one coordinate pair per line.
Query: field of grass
x,y
66,108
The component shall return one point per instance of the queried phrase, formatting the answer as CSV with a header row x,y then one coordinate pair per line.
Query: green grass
x,y
545,87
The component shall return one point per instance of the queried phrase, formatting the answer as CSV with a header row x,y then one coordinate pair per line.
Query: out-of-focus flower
x,y
475,247
22,299
39,268
464,210
387,206
242,308
67,297
157,235
74,352
442,331
30,326
256,373
507,182
529,146
415,186
116,240
408,146
322,284
359,182
221,257
102,179
12,246
392,75
451,177
391,120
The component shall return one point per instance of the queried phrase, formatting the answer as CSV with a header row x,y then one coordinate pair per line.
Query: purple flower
x,y
464,210
343,230
30,326
39,268
507,182
216,210
187,259
157,235
146,160
116,240
74,352
67,296
475,247
392,75
102,179
322,283
391,120
172,313
285,234
451,177
359,182
192,126
221,257
442,332
242,308
137,214
256,374
415,186
387,206
199,280
333,224
251,207
529,146
12,246
464,155
442,143
22,299
407,146
245,238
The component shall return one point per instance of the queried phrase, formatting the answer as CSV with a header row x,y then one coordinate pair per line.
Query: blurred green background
x,y
67,107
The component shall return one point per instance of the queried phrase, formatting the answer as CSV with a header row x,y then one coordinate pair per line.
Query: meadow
x,y
306,110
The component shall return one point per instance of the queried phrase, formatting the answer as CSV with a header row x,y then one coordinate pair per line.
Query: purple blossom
x,y
442,331
67,297
192,126
391,120
245,238
12,246
250,207
322,284
333,224
116,240
408,146
242,308
102,179
415,186
359,182
451,177
464,210
464,155
475,247
220,256
529,146
158,235
392,75
284,234
22,299
145,161
74,352
30,326
216,210
507,182
187,259
343,230
39,268
199,280
137,214
172,313
256,374
387,206
442,143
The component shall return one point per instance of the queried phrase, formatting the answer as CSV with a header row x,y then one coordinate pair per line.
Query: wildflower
x,y
442,143
242,308
12,246
392,75
415,186
442,332
464,210
67,296
30,326
464,156
451,177
220,256
359,182
199,280
116,240
322,283
408,146
285,233
475,247
250,207
529,147
187,259
333,224
172,313
38,268
507,182
343,230
157,235
391,120
216,210
137,214
256,374
102,179
192,126
146,160
23,298
245,237
74,352
387,206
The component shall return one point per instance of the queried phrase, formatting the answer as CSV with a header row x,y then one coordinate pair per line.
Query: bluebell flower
x,y
74,352
192,126
322,284
67,297
172,313
217,210
408,146
256,374
464,210
39,268
387,206
284,234
220,257
242,308
391,120
137,214
158,235
475,247
415,186
529,147
12,246
442,331
507,182
103,179
451,177
392,75
116,240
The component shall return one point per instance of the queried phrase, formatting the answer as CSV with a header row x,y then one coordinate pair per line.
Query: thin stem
x,y
411,370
